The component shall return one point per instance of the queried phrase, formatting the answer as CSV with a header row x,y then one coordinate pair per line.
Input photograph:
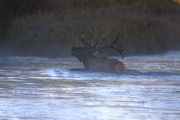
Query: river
x,y
33,88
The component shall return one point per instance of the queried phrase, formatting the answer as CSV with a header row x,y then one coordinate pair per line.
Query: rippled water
x,y
46,89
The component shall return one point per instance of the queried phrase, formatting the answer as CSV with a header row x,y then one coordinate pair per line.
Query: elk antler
x,y
84,42
119,50
98,41
116,49
112,46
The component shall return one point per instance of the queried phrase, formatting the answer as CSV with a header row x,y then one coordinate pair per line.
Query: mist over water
x,y
47,89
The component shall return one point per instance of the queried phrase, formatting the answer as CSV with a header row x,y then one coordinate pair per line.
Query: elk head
x,y
94,59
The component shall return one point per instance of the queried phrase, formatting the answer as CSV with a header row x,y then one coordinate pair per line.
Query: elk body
x,y
93,58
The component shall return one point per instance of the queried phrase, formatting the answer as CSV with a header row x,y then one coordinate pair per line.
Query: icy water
x,y
45,89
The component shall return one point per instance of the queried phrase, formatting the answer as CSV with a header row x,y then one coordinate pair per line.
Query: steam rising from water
x,y
46,89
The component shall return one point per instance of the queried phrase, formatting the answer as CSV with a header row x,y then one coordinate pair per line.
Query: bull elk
x,y
94,59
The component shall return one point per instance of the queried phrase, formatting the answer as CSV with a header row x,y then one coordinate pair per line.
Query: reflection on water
x,y
46,89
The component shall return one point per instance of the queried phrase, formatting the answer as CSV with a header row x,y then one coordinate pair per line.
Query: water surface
x,y
46,89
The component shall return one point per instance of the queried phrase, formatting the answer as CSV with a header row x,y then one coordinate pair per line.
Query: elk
x,y
94,59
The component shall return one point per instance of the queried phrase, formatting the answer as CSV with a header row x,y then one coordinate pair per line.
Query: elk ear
x,y
97,54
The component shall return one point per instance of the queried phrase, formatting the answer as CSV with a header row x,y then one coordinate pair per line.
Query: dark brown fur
x,y
94,60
